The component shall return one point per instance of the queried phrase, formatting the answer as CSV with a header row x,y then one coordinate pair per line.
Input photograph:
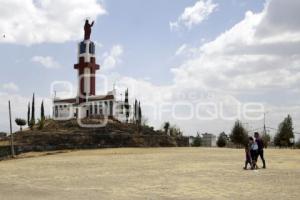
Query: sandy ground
x,y
158,173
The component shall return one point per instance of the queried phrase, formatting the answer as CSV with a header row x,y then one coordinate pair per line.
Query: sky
x,y
200,64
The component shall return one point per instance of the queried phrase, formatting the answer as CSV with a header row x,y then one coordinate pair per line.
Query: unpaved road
x,y
158,173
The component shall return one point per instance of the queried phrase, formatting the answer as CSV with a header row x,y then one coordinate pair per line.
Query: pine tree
x,y
239,134
285,133
28,114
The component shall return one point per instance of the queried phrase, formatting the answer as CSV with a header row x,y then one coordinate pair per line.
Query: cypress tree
x,y
41,122
32,121
140,113
28,114
126,105
42,111
135,111
166,127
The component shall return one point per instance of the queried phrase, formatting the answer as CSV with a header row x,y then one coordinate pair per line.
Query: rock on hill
x,y
58,135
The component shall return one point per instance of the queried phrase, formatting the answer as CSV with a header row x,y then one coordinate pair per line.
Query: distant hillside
x,y
57,135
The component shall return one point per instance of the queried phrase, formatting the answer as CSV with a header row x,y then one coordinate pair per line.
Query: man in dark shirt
x,y
260,145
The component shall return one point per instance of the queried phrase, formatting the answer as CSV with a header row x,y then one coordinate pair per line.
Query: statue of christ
x,y
87,29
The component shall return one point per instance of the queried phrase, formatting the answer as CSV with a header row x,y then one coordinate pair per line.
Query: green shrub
x,y
221,142
41,124
197,141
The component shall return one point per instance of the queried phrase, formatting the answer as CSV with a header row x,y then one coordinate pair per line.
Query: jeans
x,y
261,155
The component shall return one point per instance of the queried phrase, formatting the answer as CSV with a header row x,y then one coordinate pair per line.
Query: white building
x,y
209,140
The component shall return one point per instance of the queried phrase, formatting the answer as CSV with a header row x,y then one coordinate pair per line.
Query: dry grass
x,y
158,173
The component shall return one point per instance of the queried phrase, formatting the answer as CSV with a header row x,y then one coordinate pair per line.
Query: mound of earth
x,y
57,135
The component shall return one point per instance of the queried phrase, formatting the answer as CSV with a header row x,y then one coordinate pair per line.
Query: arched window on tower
x,y
92,48
82,47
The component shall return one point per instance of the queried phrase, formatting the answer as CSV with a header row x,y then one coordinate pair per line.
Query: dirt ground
x,y
157,173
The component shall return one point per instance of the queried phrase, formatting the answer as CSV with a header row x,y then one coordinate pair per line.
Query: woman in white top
x,y
253,152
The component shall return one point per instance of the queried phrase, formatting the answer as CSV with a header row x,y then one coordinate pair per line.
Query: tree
x,y
135,111
32,120
28,114
285,133
20,122
166,127
197,141
140,114
126,105
175,131
42,111
266,138
222,140
239,135
41,122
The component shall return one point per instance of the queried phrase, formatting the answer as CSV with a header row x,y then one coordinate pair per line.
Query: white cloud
x,y
31,22
11,86
244,58
112,58
280,21
46,61
98,44
194,15
246,63
186,51
181,50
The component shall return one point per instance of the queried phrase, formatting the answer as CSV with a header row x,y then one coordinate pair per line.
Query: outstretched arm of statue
x,y
92,23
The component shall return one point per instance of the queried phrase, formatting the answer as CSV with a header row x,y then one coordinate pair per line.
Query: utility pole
x,y
11,134
265,129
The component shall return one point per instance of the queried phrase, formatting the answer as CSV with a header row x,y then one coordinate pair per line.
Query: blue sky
x,y
136,39
141,27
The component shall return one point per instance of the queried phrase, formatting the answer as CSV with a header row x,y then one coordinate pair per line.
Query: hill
x,y
58,135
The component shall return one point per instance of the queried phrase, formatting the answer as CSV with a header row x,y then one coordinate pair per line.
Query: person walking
x,y
260,145
253,152
248,159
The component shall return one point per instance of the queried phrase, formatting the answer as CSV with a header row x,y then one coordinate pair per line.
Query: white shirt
x,y
254,146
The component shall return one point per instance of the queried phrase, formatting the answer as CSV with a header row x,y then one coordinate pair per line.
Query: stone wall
x,y
5,151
